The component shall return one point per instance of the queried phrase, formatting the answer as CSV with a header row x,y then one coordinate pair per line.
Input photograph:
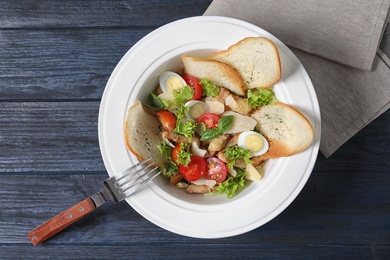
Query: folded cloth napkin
x,y
337,42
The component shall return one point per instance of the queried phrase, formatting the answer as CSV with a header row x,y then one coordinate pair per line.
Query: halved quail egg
x,y
196,109
254,142
171,81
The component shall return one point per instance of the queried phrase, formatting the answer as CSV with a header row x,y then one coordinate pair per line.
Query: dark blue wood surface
x,y
55,59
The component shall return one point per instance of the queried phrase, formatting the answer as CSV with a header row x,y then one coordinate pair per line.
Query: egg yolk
x,y
254,143
173,83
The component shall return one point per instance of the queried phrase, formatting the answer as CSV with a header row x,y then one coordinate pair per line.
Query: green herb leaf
x,y
209,134
154,102
223,124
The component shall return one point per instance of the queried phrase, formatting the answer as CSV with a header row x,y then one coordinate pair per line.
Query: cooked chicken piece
x,y
233,140
177,138
235,103
222,157
215,106
222,94
240,163
198,189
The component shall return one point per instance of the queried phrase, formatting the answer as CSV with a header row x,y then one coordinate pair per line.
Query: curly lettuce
x,y
260,97
233,153
232,184
184,156
208,88
169,168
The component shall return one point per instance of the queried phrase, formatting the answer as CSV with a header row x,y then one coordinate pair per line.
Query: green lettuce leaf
x,y
183,95
232,184
260,97
184,156
233,153
169,168
208,88
184,126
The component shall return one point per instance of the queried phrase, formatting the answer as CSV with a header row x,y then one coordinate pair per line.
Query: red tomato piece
x,y
209,119
175,154
216,170
167,120
194,170
195,85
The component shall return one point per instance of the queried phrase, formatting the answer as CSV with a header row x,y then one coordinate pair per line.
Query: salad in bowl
x,y
212,125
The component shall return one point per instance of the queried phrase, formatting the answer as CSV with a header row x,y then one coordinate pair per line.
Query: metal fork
x,y
116,188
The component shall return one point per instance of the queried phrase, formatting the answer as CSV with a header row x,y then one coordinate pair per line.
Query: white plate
x,y
198,215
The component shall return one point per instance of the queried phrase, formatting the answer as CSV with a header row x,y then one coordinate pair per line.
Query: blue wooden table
x,y
55,59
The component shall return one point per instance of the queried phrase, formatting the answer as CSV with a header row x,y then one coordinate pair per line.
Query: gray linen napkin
x,y
337,42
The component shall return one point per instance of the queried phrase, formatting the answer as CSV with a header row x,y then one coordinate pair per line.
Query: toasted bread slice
x,y
142,133
219,73
256,59
286,129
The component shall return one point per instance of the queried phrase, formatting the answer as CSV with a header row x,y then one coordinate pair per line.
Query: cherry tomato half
x,y
175,154
209,119
194,170
195,85
167,120
216,170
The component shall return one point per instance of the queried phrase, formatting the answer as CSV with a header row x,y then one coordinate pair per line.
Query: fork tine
x,y
132,176
135,177
127,189
132,169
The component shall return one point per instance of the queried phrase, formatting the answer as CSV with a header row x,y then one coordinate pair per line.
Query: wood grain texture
x,y
49,137
96,13
211,250
55,60
60,64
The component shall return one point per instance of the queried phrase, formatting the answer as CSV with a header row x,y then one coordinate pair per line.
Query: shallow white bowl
x,y
204,216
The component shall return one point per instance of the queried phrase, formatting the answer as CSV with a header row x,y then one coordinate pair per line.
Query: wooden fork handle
x,y
61,221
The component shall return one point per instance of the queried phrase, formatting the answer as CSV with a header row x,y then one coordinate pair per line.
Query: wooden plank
x,y
342,209
60,64
96,13
197,249
49,137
